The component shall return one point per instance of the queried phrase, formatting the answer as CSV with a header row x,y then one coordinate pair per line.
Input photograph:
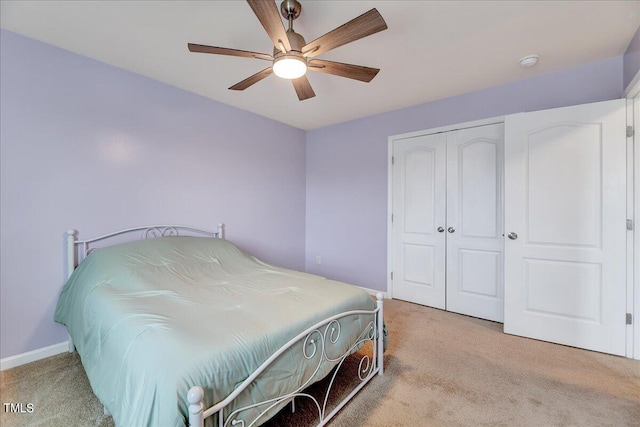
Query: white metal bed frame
x,y
316,342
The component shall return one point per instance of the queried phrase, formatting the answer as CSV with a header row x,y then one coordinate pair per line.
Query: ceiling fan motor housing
x,y
296,40
290,8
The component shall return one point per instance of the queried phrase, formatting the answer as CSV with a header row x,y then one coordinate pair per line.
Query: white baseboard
x,y
373,291
32,356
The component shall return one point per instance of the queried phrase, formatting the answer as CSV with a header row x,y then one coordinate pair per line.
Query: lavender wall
x,y
85,145
347,164
632,60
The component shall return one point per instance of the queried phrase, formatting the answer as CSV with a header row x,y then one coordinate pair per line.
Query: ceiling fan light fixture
x,y
289,66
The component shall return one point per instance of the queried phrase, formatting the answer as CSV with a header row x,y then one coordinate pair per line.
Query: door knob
x,y
512,235
451,230
441,229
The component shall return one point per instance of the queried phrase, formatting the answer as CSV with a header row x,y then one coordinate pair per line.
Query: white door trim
x,y
636,229
632,94
633,88
390,142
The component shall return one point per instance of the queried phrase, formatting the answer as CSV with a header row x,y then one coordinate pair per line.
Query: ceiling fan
x,y
292,56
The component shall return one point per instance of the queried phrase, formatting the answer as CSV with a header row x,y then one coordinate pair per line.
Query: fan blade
x,y
356,72
303,88
224,51
364,25
269,17
252,79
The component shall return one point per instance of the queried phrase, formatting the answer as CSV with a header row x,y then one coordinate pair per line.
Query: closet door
x,y
565,195
419,184
474,222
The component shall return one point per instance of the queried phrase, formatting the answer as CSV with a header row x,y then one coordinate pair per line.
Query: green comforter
x,y
152,318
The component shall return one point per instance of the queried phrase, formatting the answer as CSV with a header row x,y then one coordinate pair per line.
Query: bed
x,y
182,327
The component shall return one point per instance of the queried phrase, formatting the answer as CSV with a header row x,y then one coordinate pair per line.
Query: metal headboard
x,y
75,256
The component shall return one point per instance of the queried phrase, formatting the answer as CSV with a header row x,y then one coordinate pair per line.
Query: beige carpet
x,y
442,369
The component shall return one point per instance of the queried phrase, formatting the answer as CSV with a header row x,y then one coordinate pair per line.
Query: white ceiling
x,y
431,50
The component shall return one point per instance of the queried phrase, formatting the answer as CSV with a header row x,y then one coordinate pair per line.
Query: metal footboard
x,y
316,343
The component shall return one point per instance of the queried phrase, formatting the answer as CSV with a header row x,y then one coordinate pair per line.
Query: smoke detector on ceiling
x,y
529,61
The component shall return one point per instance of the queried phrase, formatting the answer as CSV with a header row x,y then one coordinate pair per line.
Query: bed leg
x,y
195,397
380,340
70,238
293,405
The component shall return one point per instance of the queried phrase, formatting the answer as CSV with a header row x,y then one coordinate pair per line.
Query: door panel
x,y
579,197
480,273
419,209
418,264
565,197
551,287
419,190
474,211
478,184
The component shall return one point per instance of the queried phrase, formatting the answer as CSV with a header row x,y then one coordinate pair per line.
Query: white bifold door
x,y
565,219
447,221
419,218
